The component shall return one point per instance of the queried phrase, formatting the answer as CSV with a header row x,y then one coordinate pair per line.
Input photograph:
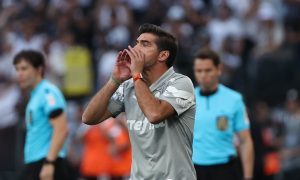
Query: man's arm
x,y
97,111
59,134
247,153
155,110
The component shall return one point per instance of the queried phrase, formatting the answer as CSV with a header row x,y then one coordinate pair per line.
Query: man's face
x,y
26,74
206,73
146,43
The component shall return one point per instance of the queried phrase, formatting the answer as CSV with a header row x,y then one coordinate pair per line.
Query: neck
x,y
154,74
36,82
212,88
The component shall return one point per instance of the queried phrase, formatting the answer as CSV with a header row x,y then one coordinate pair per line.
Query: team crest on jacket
x,y
222,123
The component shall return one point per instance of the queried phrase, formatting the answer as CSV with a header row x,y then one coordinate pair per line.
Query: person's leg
x,y
61,170
202,172
32,171
231,170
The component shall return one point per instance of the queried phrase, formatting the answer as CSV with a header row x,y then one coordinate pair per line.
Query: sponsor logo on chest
x,y
143,126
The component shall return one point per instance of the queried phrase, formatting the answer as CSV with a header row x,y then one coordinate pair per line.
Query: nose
x,y
202,74
19,74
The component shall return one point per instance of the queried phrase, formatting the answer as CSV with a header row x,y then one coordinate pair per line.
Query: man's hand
x,y
137,60
121,71
47,172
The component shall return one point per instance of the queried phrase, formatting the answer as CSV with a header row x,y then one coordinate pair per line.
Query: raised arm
x,y
155,110
97,109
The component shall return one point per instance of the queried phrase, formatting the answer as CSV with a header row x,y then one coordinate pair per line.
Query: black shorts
x,y
231,171
32,170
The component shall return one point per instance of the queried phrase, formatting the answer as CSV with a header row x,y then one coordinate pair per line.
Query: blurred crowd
x,y
258,41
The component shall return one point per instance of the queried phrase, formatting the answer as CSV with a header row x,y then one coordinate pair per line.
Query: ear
x,y
220,69
40,70
163,55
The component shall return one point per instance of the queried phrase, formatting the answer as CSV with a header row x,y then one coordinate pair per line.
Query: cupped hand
x,y
137,58
121,71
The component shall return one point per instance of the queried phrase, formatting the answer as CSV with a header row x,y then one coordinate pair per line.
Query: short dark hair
x,y
33,57
208,54
165,40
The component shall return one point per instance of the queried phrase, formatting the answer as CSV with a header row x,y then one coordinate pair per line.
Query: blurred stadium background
x,y
258,40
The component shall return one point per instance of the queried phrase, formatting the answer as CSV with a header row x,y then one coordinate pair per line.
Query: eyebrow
x,y
142,41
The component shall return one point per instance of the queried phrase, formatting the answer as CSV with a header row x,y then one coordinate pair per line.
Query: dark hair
x,y
208,54
165,40
33,57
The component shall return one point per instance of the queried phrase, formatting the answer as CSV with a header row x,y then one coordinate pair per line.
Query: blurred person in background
x,y
121,150
183,31
269,35
74,145
222,25
46,124
112,13
159,106
78,75
9,152
290,145
106,151
28,37
56,57
265,132
220,115
231,59
96,160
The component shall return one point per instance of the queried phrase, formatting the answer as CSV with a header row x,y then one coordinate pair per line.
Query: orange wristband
x,y
137,76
